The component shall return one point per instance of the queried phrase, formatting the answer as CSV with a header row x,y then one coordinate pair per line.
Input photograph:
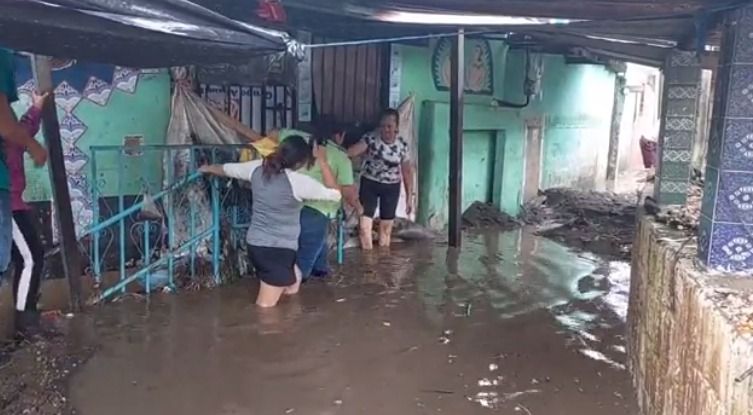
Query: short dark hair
x,y
328,128
391,112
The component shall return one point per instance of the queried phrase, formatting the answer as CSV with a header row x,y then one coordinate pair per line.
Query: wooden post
x,y
60,194
457,78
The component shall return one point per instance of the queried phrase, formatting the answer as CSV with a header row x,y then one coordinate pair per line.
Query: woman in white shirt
x,y
278,193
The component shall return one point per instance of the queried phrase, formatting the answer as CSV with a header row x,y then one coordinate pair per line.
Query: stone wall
x,y
689,334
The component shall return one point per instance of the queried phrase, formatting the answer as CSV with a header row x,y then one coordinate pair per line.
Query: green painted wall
x,y
144,112
575,104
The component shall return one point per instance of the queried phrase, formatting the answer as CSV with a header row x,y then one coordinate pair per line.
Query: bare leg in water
x,y
366,225
269,295
385,233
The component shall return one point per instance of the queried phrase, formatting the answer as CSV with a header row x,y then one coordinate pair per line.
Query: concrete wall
x,y
688,331
575,105
100,105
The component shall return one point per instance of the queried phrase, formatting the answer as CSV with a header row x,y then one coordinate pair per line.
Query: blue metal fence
x,y
177,221
167,218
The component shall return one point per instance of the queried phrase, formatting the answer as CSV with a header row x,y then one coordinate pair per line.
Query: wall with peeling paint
x,y
574,103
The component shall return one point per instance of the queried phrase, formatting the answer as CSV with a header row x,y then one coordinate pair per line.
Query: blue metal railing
x,y
194,213
191,212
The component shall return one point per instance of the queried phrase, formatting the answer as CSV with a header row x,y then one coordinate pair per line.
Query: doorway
x,y
532,178
479,149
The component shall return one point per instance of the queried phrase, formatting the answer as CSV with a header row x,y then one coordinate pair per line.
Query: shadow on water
x,y
510,321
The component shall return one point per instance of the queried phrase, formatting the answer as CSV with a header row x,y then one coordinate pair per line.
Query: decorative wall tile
x,y
737,149
682,92
71,128
680,124
726,233
675,186
682,84
678,140
734,203
681,108
97,91
731,247
680,59
677,156
67,97
741,36
740,93
675,170
125,79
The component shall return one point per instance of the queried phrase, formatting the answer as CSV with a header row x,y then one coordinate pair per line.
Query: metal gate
x,y
260,107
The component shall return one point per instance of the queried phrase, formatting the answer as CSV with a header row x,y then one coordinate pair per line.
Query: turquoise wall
x,y
575,105
145,111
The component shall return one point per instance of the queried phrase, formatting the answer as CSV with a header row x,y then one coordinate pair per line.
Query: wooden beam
x,y
42,69
457,86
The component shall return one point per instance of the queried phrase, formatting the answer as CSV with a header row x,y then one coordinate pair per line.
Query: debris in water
x,y
600,222
338,402
485,382
486,399
340,300
486,215
444,340
493,367
438,391
519,408
290,410
410,231
386,324
596,355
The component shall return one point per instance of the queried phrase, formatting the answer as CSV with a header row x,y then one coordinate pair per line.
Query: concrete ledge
x,y
689,331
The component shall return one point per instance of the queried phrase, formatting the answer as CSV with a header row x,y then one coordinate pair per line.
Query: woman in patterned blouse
x,y
386,164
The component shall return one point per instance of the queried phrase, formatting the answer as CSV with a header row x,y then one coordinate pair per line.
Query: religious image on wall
x,y
479,71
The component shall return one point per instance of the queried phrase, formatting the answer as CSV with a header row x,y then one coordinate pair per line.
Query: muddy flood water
x,y
511,324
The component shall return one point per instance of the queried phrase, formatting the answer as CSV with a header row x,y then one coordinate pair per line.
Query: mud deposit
x,y
598,222
511,324
35,381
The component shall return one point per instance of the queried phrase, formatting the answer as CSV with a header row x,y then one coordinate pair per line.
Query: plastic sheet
x,y
195,122
136,33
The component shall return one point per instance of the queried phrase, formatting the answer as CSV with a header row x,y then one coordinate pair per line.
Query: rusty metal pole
x,y
61,197
457,78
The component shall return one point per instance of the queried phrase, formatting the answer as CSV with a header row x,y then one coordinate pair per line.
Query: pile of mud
x,y
487,216
600,222
35,381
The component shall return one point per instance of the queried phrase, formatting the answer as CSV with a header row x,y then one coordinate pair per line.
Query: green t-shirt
x,y
341,167
8,88
284,133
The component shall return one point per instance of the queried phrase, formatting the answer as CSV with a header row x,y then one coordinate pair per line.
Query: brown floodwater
x,y
511,324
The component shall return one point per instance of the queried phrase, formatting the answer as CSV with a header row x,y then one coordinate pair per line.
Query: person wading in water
x,y
279,192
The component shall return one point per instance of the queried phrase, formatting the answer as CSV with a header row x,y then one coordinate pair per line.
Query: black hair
x,y
326,129
391,112
293,153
